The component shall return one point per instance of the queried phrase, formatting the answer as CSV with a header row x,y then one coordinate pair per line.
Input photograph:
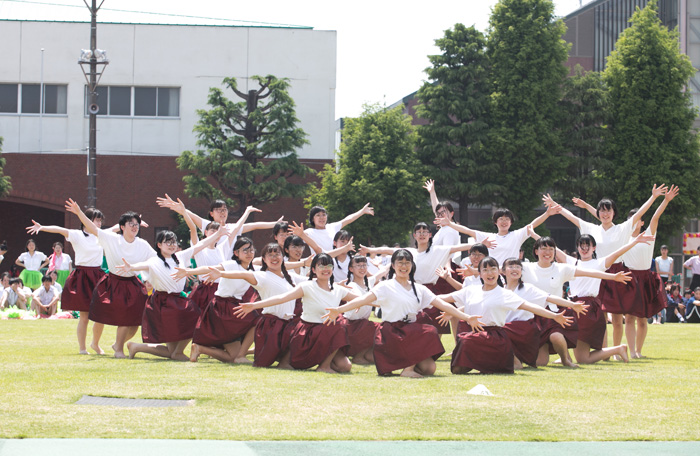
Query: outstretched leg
x,y
584,355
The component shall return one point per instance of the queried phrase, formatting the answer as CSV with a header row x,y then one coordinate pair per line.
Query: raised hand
x,y
72,206
368,210
168,203
671,193
658,191
295,229
441,221
489,243
578,202
429,185
34,229
547,200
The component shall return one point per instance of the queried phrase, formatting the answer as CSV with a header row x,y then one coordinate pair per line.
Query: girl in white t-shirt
x,y
120,297
521,325
169,317
486,346
609,238
312,343
32,261
405,340
446,235
78,287
273,330
323,232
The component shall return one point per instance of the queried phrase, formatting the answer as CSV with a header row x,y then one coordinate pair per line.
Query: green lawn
x,y
42,376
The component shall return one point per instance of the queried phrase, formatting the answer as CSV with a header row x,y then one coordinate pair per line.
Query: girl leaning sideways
x,y
80,284
485,346
591,327
402,341
311,342
119,297
610,237
550,276
273,329
32,261
521,325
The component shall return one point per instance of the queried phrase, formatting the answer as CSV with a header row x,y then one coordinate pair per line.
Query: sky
x,y
382,45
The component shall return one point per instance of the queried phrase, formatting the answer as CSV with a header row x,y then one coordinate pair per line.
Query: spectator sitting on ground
x,y
54,282
45,298
675,308
13,295
692,312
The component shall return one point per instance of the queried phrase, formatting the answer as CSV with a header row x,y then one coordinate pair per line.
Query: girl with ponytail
x,y
402,341
312,343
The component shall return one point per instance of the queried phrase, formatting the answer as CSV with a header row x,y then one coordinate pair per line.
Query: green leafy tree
x,y
527,55
377,163
584,129
455,102
652,139
249,147
5,185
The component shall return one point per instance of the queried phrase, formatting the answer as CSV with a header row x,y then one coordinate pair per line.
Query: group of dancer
x,y
315,311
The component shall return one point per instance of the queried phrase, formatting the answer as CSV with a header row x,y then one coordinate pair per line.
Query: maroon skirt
x,y
298,308
548,327
439,287
651,290
489,351
591,325
203,294
311,343
80,284
525,337
118,301
360,335
399,345
168,317
217,325
272,335
618,297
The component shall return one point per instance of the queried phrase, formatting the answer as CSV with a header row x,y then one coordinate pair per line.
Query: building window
x,y
8,98
147,101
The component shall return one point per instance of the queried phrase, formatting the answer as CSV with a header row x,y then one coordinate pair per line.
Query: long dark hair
x,y
424,226
240,242
342,235
357,259
585,239
292,240
490,262
275,247
403,254
517,261
322,259
161,237
92,214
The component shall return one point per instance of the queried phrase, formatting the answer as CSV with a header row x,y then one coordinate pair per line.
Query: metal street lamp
x,y
90,60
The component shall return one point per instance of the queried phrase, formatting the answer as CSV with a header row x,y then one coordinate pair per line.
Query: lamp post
x,y
89,61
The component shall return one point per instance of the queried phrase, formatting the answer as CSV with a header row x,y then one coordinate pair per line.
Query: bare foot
x,y
623,353
179,357
83,352
570,364
517,364
194,353
327,370
359,360
410,374
119,355
96,348
242,360
132,352
635,356
285,366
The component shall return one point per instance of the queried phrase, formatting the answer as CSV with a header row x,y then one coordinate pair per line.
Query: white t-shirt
x,y
607,241
531,294
694,264
399,303
340,268
32,262
116,248
160,276
45,297
324,237
586,286
270,285
492,305
88,251
639,257
210,257
550,280
427,262
232,287
224,243
316,300
448,236
664,267
363,312
507,246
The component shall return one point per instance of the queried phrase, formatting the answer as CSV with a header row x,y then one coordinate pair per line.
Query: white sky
x,y
382,45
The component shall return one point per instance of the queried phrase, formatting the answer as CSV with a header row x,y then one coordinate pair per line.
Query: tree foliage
x,y
584,131
455,102
652,139
527,55
377,163
5,185
249,146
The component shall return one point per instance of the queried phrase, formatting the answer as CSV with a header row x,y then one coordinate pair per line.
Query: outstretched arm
x,y
537,310
90,227
37,227
579,306
548,201
622,277
291,295
670,194
551,210
655,193
333,312
298,230
260,225
352,217
462,229
241,225
578,202
430,186
612,258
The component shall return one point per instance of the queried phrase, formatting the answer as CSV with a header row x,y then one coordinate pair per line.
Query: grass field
x,y
43,376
